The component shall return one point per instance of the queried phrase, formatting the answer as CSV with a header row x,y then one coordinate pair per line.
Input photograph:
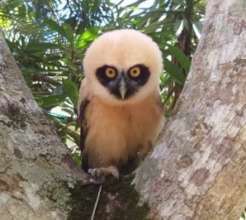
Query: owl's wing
x,y
83,103
82,122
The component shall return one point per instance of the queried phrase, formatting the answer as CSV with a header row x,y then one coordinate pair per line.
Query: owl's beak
x,y
122,88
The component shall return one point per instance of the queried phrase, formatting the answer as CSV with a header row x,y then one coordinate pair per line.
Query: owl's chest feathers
x,y
122,131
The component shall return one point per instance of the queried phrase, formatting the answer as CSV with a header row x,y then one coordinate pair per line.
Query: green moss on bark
x,y
118,201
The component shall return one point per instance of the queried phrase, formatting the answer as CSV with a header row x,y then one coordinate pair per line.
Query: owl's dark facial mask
x,y
123,84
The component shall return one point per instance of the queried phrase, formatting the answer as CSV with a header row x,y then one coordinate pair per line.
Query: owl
x,y
120,112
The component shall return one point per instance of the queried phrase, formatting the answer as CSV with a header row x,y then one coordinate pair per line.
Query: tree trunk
x,y
198,171
36,174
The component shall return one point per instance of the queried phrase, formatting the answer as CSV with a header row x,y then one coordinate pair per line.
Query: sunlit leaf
x,y
197,27
84,38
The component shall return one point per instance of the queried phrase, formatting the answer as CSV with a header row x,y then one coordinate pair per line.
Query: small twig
x,y
96,203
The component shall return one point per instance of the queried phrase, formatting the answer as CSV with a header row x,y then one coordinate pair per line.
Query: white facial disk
x,y
123,66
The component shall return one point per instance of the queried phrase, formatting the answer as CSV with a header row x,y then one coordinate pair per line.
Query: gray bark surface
x,y
198,171
35,171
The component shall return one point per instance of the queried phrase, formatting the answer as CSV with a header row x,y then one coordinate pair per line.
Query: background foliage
x,y
49,37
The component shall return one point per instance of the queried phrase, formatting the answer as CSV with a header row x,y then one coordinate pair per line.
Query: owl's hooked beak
x,y
122,87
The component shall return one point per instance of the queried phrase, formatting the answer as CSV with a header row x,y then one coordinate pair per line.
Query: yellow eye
x,y
110,72
135,72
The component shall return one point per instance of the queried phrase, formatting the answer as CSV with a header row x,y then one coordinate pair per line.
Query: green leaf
x,y
183,60
50,101
68,32
152,27
197,28
165,80
178,26
64,30
85,38
41,46
71,91
174,71
54,26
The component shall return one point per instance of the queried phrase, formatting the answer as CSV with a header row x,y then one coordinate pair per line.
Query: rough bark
x,y
36,174
198,171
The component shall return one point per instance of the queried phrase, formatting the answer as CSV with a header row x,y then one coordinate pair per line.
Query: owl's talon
x,y
96,172
102,172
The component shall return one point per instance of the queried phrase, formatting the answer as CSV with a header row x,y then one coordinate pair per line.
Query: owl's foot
x,y
102,172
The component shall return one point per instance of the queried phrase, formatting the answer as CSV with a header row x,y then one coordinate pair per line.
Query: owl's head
x,y
123,66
